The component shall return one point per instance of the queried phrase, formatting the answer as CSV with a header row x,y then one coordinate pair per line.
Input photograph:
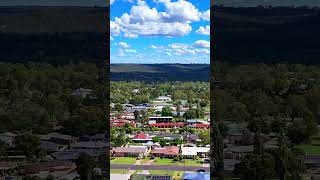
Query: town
x,y
160,130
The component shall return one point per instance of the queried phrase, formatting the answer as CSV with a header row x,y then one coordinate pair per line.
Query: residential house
x,y
192,152
143,138
54,168
121,123
196,176
167,151
7,168
49,146
82,92
8,138
167,125
89,145
160,119
163,98
120,176
58,138
73,154
133,151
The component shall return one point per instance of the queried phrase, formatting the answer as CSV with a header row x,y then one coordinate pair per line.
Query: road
x,y
157,167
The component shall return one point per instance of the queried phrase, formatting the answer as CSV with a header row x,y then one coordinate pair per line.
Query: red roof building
x,y
200,126
168,151
121,123
167,125
142,138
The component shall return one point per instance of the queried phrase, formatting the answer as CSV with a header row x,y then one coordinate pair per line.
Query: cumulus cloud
x,y
206,15
180,11
202,44
123,45
204,30
142,20
198,47
114,28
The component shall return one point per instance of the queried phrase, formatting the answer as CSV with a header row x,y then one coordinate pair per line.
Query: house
x,y
167,125
73,154
122,123
196,176
168,151
133,151
8,138
158,107
82,92
192,152
143,138
54,168
98,137
120,176
135,91
7,168
49,146
163,98
58,138
160,119
89,145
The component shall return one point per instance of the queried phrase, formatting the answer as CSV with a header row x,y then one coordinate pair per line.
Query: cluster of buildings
x,y
62,151
186,151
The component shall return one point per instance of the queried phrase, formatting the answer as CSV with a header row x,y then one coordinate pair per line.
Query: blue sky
x,y
160,31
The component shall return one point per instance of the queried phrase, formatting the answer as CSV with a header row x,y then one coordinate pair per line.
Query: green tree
x,y
85,164
166,111
28,143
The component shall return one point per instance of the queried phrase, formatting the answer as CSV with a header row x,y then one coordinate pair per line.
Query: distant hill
x,y
269,35
160,72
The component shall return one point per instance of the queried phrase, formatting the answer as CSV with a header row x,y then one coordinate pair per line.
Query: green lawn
x,y
191,162
165,161
118,171
123,160
310,150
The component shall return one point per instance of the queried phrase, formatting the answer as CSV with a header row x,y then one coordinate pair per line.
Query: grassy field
x,y
165,161
118,171
175,174
123,160
191,162
310,149
171,162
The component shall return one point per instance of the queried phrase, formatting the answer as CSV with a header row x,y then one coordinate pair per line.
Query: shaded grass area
x,y
310,149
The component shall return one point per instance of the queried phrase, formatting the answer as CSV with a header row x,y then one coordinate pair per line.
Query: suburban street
x,y
157,167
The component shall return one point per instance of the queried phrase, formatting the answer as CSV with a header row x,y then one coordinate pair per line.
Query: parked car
x,y
201,170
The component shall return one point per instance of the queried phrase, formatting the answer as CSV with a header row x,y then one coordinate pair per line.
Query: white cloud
x,y
199,47
112,1
120,52
114,28
130,50
204,30
202,44
153,47
142,20
111,38
206,15
181,11
123,45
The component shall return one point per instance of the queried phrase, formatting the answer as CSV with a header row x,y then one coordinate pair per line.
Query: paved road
x,y
157,167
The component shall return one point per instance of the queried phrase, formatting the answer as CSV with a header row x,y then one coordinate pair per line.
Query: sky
x,y
160,31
